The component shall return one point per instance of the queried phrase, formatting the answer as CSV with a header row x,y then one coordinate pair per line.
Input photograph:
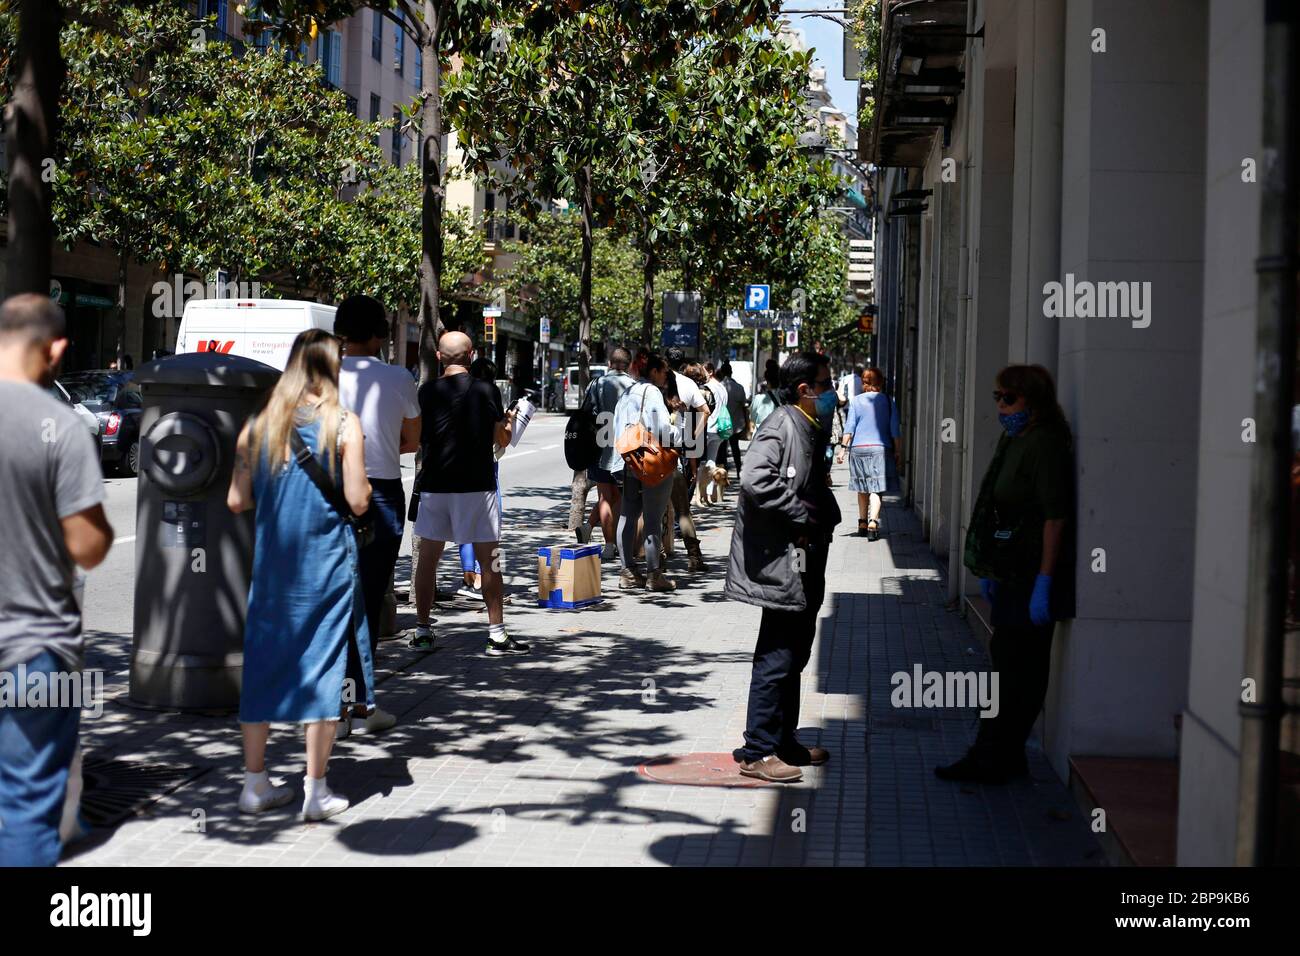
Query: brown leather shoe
x,y
806,756
658,581
772,769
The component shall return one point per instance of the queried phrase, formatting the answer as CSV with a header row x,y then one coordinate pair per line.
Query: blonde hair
x,y
313,367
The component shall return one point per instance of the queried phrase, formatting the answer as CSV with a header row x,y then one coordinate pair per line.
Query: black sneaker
x,y
508,646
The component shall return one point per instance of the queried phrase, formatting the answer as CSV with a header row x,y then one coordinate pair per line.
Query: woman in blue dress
x,y
306,648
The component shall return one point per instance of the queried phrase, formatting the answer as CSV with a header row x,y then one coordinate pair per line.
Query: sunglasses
x,y
1006,398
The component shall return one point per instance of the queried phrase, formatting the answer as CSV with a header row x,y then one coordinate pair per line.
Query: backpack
x,y
726,428
581,448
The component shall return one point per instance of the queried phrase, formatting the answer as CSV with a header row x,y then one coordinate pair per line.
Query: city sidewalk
x,y
534,761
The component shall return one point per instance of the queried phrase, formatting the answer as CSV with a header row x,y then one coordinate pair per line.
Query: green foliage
x,y
864,15
382,242
193,158
544,278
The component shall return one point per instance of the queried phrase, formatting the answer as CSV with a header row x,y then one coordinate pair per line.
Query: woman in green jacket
x,y
1021,545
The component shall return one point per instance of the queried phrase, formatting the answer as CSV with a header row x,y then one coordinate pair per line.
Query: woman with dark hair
x,y
871,432
1020,544
306,627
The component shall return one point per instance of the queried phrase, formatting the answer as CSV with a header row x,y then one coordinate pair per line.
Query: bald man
x,y
463,423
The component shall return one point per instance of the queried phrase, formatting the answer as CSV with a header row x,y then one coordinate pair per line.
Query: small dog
x,y
713,481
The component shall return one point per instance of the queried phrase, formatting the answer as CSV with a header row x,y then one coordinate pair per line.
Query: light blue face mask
x,y
826,403
1014,423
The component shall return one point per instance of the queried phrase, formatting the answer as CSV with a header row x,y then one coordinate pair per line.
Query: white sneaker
x,y
253,800
376,723
321,802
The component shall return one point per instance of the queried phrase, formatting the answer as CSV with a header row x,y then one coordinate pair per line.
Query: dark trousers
x,y
734,442
785,640
1022,657
377,559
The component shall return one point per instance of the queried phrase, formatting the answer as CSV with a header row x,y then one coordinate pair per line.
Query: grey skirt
x,y
867,469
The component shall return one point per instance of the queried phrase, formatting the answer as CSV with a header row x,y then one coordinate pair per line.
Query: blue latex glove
x,y
989,589
1039,610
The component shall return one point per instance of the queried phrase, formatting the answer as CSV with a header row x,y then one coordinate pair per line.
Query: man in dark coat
x,y
784,522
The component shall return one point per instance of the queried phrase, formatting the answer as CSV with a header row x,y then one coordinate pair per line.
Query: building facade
x,y
1072,183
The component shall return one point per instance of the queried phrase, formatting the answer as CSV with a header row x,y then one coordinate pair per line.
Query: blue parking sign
x,y
757,298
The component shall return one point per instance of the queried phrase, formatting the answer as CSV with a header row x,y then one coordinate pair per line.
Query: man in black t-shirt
x,y
463,423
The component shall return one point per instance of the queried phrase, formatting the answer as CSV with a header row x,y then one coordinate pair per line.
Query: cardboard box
x,y
568,577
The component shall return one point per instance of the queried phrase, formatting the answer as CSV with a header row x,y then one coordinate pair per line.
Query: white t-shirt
x,y
691,397
850,386
720,396
381,395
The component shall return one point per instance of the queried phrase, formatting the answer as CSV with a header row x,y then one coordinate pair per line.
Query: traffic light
x,y
490,329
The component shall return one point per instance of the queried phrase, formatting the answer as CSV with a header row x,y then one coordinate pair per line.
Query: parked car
x,y
572,393
91,420
114,399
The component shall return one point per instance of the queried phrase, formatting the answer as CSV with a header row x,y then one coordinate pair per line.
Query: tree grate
x,y
116,789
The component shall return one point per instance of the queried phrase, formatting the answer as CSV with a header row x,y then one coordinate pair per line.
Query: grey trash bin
x,y
193,557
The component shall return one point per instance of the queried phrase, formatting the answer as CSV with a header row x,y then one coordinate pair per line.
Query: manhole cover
x,y
116,789
698,770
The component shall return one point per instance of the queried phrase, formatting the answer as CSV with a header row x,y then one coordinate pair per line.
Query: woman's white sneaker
x,y
320,802
260,795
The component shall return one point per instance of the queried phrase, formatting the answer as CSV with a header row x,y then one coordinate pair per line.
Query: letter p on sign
x,y
756,298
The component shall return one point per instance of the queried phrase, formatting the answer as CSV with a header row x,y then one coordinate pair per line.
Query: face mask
x,y
826,403
1015,423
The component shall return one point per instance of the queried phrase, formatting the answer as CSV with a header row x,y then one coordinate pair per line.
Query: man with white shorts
x,y
463,423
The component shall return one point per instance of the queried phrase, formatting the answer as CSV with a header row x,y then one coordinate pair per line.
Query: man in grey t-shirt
x,y
54,521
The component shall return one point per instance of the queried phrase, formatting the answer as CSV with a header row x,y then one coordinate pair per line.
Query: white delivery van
x,y
261,329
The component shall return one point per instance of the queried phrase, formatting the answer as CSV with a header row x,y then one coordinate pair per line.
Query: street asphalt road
x,y
534,477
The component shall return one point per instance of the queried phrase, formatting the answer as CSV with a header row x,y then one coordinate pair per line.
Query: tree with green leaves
x,y
382,244
544,278
556,108
440,31
182,154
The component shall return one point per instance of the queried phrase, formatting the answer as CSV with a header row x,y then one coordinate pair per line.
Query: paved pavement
x,y
534,760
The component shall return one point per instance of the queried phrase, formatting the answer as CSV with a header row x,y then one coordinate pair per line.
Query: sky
x,y
827,40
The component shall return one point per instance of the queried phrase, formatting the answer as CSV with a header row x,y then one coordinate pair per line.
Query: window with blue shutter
x,y
335,71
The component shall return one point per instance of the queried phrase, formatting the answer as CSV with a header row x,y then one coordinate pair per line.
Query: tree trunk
x,y
30,129
649,265
123,258
584,284
431,194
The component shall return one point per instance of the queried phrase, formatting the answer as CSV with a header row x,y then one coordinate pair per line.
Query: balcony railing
x,y
497,228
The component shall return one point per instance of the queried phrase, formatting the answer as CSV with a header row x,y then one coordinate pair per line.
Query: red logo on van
x,y
212,345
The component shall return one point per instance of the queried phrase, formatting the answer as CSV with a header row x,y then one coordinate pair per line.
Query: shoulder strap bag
x,y
363,526
642,453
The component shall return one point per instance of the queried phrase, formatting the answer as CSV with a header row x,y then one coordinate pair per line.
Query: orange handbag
x,y
641,451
